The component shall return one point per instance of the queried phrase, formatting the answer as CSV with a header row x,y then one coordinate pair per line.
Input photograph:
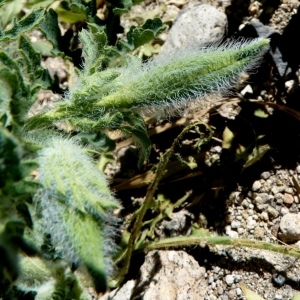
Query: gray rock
x,y
290,228
179,225
277,189
265,175
200,24
165,275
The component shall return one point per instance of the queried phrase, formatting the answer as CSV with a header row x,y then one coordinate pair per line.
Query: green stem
x,y
149,197
218,240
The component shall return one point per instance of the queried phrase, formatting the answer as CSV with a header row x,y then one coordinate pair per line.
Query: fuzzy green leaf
x,y
76,207
137,37
11,97
10,64
94,48
24,25
49,27
174,79
32,58
123,6
99,141
38,76
135,125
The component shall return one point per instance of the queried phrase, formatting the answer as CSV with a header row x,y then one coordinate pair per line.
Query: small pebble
x,y
264,216
289,190
256,186
278,279
235,224
259,232
265,175
250,223
232,294
288,199
217,149
274,229
245,203
289,85
277,189
238,292
229,279
245,215
240,230
220,290
272,212
232,234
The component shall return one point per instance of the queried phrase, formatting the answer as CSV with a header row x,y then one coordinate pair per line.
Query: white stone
x,y
232,234
229,279
238,292
235,224
250,223
200,24
290,228
247,90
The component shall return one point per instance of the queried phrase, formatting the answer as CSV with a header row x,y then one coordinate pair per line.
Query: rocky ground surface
x,y
244,198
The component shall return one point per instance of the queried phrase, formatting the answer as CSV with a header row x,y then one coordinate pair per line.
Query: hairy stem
x,y
218,240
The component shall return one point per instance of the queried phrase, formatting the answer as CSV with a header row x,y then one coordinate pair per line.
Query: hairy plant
x,y
77,208
68,210
116,98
